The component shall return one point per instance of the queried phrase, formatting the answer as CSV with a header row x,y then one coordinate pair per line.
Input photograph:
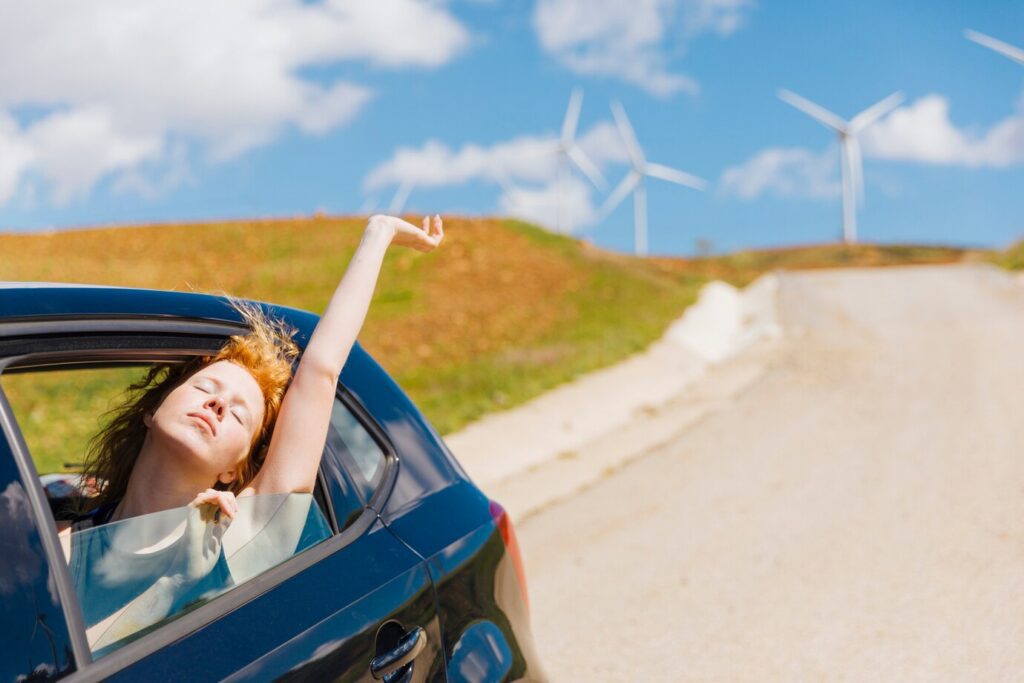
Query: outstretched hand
x,y
406,234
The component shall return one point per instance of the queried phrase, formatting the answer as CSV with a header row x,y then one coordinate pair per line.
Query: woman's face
x,y
212,415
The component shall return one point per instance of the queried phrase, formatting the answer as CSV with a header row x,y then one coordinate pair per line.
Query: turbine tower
x,y
569,152
852,168
634,181
1005,49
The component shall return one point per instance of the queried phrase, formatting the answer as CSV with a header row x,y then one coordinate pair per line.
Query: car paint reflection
x,y
481,655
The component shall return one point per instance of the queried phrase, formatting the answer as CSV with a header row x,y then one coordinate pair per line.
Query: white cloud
x,y
784,172
603,144
923,132
16,156
121,83
435,164
632,40
528,158
153,180
22,563
568,207
723,17
75,148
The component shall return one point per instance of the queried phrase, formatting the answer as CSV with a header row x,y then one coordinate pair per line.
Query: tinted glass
x,y
34,636
136,574
356,449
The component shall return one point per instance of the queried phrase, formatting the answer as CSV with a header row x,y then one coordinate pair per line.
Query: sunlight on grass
x,y
59,412
501,313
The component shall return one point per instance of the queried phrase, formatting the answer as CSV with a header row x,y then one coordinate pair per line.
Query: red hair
x,y
266,351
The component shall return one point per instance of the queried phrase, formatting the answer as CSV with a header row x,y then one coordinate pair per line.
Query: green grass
x,y
502,312
58,412
1011,258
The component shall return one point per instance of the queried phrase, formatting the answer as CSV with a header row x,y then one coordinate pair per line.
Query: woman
x,y
195,436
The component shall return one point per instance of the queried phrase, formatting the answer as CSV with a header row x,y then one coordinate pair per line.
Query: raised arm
x,y
301,429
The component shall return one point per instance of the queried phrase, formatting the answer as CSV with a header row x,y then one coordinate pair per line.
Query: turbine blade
x,y
875,112
819,113
675,176
401,196
583,162
572,115
500,176
631,180
628,136
1005,49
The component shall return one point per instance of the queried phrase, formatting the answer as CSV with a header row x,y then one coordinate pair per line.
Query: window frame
x,y
87,343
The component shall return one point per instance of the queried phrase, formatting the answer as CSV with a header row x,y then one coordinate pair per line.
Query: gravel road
x,y
856,514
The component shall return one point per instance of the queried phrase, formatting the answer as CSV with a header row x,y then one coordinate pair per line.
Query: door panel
x,y
36,643
482,611
318,625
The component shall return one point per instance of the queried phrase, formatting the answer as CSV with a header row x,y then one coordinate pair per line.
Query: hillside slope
x,y
500,313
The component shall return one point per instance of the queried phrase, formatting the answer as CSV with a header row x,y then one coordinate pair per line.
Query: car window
x,y
134,575
59,411
356,449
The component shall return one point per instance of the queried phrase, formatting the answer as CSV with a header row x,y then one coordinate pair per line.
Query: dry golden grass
x,y
500,313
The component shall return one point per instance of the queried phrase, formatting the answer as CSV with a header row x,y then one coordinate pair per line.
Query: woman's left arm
x,y
301,429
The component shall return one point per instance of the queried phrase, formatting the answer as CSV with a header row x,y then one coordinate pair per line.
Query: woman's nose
x,y
216,405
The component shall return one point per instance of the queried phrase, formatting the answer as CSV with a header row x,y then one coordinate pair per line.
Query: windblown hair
x,y
267,351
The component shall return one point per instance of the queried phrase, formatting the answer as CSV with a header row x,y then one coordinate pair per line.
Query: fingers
x,y
219,502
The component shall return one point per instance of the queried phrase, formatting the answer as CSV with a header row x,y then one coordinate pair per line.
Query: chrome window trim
x,y
14,327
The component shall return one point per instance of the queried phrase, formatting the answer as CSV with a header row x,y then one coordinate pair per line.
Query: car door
x,y
356,606
38,643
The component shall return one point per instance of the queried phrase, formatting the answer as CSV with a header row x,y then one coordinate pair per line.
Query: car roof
x,y
40,300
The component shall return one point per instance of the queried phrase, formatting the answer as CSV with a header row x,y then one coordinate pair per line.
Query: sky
x,y
117,112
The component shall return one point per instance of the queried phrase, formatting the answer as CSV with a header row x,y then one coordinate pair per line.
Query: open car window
x,y
59,411
134,575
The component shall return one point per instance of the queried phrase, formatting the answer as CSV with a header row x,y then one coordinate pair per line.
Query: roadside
x,y
853,514
565,440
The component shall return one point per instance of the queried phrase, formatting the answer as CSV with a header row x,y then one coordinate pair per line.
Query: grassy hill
x,y
1011,258
500,313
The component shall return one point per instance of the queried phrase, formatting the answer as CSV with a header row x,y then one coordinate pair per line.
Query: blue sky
x,y
114,112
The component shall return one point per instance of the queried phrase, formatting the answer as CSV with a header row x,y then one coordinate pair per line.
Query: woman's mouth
x,y
205,420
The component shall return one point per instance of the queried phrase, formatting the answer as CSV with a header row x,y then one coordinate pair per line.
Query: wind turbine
x,y
569,152
401,196
634,181
1005,49
512,193
852,168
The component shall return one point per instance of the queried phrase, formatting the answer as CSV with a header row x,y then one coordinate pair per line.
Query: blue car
x,y
396,568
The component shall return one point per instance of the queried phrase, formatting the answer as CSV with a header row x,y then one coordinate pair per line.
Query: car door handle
x,y
410,645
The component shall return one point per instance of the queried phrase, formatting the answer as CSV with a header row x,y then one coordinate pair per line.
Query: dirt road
x,y
857,514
